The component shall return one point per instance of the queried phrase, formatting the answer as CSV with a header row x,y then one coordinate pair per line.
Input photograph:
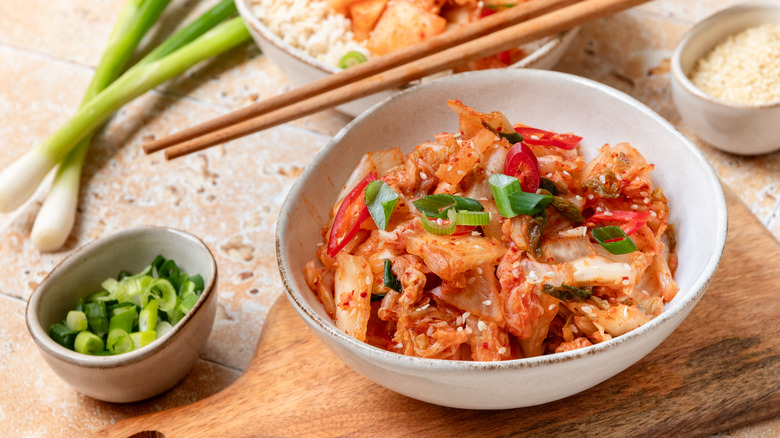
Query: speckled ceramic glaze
x,y
145,372
737,128
596,112
303,68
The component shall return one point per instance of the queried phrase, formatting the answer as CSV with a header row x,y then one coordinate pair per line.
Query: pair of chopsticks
x,y
493,34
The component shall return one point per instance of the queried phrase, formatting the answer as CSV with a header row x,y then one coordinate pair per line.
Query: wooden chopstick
x,y
497,41
514,15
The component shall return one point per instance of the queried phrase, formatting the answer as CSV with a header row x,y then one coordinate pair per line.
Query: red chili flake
x,y
363,295
485,345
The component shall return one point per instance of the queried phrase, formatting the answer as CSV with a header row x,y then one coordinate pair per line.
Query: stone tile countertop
x,y
230,195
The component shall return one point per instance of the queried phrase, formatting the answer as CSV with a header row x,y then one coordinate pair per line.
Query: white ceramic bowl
x,y
303,68
141,373
737,128
596,112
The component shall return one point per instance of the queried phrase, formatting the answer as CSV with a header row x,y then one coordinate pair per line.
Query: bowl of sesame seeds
x,y
726,78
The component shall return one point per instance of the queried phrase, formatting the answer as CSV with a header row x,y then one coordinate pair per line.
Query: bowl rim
x,y
700,282
707,23
52,348
245,10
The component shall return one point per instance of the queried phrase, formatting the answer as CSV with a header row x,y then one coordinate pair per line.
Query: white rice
x,y
311,26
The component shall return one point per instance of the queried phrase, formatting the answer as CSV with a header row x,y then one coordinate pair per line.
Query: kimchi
x,y
495,242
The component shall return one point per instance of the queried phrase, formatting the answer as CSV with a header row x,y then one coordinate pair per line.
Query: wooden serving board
x,y
720,369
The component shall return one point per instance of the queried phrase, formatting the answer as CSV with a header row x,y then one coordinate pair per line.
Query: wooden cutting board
x,y
720,369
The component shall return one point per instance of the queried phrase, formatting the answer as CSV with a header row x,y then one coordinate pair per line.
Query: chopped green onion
x,y
123,320
162,290
119,342
436,206
88,343
529,203
97,317
614,240
437,226
351,59
147,319
472,218
380,200
76,320
568,293
188,301
142,339
502,186
62,335
391,281
163,327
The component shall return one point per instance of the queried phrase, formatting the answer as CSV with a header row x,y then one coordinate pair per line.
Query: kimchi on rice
x,y
495,242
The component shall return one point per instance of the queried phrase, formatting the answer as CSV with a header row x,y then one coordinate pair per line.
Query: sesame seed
x,y
643,193
466,315
475,233
549,175
487,302
460,329
480,262
634,207
482,326
471,280
459,321
515,264
552,306
515,273
578,197
430,331
423,307
627,266
574,329
532,275
653,214
607,213
460,172
619,178
449,169
478,247
479,270
587,309
566,172
439,221
646,200
502,350
590,196
423,175
602,179
624,282
368,279
468,329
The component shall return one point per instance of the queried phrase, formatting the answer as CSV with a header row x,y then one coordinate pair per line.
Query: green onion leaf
x,y
529,203
123,320
62,335
391,281
472,218
142,339
567,293
351,59
437,226
380,200
502,186
614,240
97,317
163,327
436,206
147,319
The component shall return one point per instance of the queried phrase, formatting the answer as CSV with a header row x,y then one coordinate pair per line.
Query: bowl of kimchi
x,y
500,239
310,40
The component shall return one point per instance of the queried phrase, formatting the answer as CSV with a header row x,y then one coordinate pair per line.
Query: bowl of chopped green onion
x,y
125,317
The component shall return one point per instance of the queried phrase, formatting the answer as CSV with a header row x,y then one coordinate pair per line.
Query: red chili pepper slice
x,y
632,220
352,212
521,160
540,137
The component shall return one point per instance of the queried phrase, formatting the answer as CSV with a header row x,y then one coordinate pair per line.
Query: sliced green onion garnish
x,y
351,59
437,226
123,320
436,206
88,343
147,319
163,291
380,200
614,240
62,335
529,203
502,186
391,281
76,320
472,218
568,293
163,327
141,339
188,301
97,317
119,341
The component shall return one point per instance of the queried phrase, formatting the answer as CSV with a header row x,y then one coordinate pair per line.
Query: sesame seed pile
x,y
745,68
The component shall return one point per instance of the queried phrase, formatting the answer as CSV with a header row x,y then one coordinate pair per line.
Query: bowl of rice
x,y
726,78
307,39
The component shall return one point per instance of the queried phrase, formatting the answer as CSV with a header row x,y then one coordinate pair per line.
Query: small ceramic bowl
x,y
737,128
303,68
594,111
141,373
